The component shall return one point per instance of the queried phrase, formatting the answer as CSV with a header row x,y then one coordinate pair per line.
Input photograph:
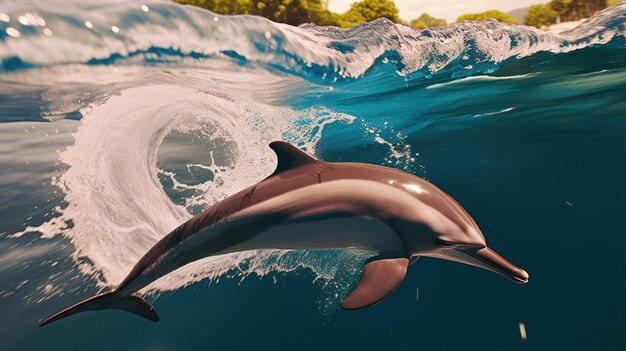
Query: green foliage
x,y
427,21
495,14
573,10
540,15
560,6
370,10
557,11
350,19
296,12
226,7
566,10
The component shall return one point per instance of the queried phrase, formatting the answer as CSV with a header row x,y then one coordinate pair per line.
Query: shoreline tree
x,y
540,15
495,14
367,11
557,11
427,21
297,12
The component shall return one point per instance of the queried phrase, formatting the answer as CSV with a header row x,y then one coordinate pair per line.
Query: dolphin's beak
x,y
490,260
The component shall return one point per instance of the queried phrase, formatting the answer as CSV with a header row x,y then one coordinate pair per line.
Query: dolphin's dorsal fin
x,y
290,156
379,278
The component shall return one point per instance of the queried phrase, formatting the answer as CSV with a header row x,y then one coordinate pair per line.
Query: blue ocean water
x,y
118,121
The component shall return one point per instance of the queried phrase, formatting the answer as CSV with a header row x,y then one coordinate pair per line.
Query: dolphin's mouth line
x,y
509,273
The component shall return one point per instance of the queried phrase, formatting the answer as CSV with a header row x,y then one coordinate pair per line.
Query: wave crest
x,y
162,32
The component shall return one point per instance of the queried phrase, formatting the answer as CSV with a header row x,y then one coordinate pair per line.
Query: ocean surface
x,y
120,120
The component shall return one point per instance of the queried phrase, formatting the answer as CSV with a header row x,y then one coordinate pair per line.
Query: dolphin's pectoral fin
x,y
290,156
379,278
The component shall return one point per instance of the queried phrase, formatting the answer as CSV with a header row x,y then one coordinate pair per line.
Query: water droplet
x,y
4,17
32,19
268,35
13,32
522,331
216,19
115,29
47,32
41,22
145,8
23,20
88,24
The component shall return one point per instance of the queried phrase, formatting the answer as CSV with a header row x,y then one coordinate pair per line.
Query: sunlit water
x,y
120,121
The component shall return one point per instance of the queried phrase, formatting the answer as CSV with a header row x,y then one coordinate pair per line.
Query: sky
x,y
448,9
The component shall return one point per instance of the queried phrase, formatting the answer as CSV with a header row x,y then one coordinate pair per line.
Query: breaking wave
x,y
177,106
152,32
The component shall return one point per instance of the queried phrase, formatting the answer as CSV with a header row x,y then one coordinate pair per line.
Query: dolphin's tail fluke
x,y
109,300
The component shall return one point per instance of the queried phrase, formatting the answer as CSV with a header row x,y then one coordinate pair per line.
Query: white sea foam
x,y
173,32
116,203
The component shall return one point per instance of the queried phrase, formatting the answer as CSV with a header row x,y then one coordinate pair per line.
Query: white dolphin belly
x,y
334,233
333,215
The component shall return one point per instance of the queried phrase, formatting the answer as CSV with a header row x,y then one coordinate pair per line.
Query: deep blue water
x,y
118,122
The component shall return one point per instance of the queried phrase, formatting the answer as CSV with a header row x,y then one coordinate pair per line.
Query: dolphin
x,y
309,204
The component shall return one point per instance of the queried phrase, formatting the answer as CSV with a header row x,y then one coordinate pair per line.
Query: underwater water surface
x,y
119,121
